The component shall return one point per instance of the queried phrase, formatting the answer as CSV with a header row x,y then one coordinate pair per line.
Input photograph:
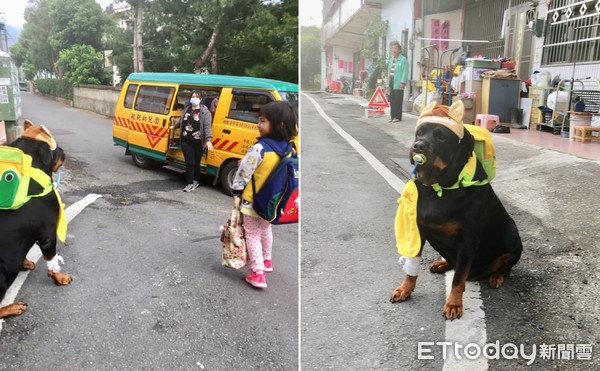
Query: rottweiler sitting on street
x,y
31,210
451,204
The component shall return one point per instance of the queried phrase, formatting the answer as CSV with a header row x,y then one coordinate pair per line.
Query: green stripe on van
x,y
155,155
213,80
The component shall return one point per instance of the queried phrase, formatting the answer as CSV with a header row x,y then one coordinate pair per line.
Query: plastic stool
x,y
487,121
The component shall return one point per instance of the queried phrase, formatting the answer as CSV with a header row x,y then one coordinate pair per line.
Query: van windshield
x,y
290,96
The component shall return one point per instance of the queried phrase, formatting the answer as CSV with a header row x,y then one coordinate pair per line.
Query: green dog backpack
x,y
15,174
484,149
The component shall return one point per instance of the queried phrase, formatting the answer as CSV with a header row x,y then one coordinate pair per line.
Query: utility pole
x,y
138,49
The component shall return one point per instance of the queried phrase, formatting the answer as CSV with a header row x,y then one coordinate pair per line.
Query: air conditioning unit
x,y
419,26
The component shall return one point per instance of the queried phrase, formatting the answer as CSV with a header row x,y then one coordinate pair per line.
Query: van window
x,y
155,99
210,100
246,105
290,96
131,89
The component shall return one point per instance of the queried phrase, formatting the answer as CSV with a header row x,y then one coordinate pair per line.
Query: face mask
x,y
195,101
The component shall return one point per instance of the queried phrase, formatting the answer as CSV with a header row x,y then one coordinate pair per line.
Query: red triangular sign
x,y
378,99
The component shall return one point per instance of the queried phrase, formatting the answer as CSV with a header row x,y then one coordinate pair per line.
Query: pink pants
x,y
259,240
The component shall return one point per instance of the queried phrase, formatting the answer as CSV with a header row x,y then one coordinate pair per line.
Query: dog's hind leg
x,y
28,265
500,268
498,271
440,266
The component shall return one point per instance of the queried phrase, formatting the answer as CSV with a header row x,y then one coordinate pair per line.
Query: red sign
x,y
378,99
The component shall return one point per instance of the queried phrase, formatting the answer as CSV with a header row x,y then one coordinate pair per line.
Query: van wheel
x,y
142,161
227,174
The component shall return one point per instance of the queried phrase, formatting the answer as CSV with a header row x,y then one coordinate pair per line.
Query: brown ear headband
x,y
40,133
451,117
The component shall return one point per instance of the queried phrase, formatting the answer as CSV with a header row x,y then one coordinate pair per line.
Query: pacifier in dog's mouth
x,y
419,158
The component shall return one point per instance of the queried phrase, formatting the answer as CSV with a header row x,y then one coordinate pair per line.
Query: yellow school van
x,y
151,103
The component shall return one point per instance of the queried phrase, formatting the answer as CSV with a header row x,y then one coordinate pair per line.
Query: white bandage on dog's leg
x,y
410,265
53,265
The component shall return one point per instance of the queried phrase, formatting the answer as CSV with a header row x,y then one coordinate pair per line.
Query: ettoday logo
x,y
581,352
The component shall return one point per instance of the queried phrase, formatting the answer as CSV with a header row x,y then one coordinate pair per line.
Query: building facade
x,y
558,36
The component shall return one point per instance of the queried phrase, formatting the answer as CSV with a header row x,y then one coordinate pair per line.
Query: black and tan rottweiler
x,y
464,221
36,221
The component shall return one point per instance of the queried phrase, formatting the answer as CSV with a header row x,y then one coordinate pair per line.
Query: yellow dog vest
x,y
408,239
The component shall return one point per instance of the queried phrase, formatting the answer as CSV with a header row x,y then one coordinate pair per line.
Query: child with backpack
x,y
277,125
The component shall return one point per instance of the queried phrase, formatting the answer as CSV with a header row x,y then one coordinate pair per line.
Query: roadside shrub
x,y
81,64
60,88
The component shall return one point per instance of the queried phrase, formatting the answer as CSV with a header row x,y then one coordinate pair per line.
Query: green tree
x,y
123,52
239,37
276,36
310,65
194,32
33,46
77,22
83,65
54,25
371,50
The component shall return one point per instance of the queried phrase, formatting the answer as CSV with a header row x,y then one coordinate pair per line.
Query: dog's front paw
x,y
400,294
13,310
28,265
452,311
403,291
60,278
496,280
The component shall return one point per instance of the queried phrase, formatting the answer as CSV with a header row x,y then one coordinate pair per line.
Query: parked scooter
x,y
346,84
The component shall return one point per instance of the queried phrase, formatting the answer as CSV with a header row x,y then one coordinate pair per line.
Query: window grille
x,y
483,21
566,21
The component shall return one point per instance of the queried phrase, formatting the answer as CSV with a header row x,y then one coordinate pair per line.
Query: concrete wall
x,y
96,98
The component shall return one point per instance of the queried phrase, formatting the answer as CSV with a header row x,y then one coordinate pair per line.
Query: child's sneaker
x,y
189,188
257,280
268,266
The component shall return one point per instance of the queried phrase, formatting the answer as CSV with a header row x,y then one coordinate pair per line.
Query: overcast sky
x,y
310,12
13,10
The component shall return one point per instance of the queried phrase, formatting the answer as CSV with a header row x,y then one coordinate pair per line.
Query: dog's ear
x,y
44,155
58,158
27,124
467,144
457,111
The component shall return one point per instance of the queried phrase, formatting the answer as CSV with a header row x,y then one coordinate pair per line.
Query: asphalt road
x,y
349,261
148,289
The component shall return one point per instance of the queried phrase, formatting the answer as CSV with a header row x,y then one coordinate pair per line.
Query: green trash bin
x,y
10,95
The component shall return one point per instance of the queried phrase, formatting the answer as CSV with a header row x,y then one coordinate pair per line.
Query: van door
x,y
122,114
149,121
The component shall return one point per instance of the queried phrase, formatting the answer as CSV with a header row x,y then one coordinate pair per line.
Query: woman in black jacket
x,y
196,135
